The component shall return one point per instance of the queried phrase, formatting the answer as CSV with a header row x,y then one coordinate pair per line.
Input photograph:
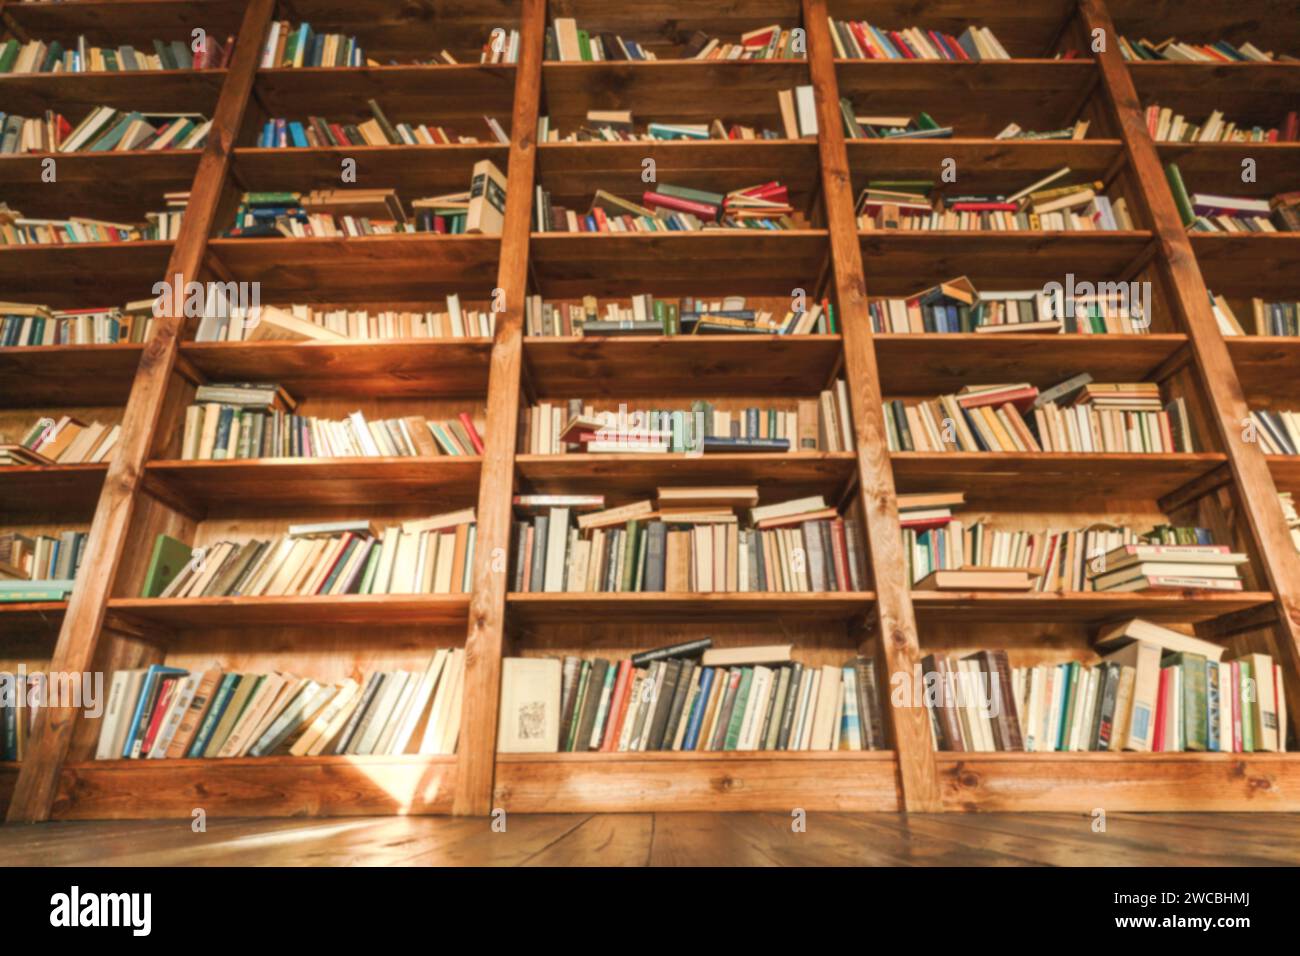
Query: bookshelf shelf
x,y
1285,470
28,618
542,608
66,276
931,364
682,365
104,21
170,166
1264,262
450,93
320,482
26,489
1009,160
1088,608
1265,360
444,367
40,375
421,169
76,94
786,473
181,614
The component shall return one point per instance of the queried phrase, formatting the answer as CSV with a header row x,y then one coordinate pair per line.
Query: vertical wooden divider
x,y
897,622
476,753
1256,489
78,640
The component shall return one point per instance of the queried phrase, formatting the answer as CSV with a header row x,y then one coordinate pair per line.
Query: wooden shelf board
x,y
76,94
98,169
1286,471
413,367
418,170
1028,476
120,21
255,787
408,266
1152,78
1084,608
29,489
41,618
711,781
532,608
1268,365
69,276
678,263
1082,782
1001,257
41,375
322,482
685,365
1264,263
294,611
978,158
442,93
938,363
784,474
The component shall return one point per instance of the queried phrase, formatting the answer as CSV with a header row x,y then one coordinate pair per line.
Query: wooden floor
x,y
671,839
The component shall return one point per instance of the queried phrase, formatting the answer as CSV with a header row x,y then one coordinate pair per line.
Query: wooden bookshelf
x,y
1227,484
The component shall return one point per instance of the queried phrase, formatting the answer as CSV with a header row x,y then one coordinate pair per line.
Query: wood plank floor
x,y
671,839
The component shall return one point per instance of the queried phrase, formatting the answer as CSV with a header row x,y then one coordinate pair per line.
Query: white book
x,y
175,713
108,726
556,539
806,108
760,686
433,731
454,708
419,702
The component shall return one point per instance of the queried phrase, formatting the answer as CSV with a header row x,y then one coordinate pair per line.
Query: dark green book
x,y
1181,198
737,716
170,557
220,700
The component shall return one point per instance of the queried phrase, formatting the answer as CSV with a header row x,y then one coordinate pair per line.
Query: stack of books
x,y
244,420
1166,126
1154,689
646,314
669,208
1277,430
689,541
62,441
1167,566
37,56
956,306
279,133
28,324
824,424
921,126
1221,51
106,129
689,697
422,556
172,712
225,322
41,557
1204,212
1076,415
1274,318
1042,205
290,46
619,126
566,43
19,230
859,40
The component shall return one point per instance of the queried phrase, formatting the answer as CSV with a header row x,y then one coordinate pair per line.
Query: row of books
x,y
40,557
824,424
38,56
1043,205
279,132
423,556
17,229
1278,430
1153,689
1166,126
18,709
690,542
298,46
224,321
956,306
29,324
690,697
619,126
217,432
62,441
859,40
376,211
669,208
646,314
1205,212
1269,318
1074,416
170,712
1221,51
920,126
105,129
567,43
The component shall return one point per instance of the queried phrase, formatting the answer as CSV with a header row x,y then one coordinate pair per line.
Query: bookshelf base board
x,y
255,787
690,782
1082,782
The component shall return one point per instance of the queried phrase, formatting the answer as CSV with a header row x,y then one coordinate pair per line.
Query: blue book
x,y
1069,688
692,737
297,134
220,700
113,136
267,138
139,721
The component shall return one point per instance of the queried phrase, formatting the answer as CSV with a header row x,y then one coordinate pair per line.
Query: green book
x,y
239,699
1181,198
583,678
584,46
170,557
17,592
925,121
694,195
8,55
674,319
738,710
1067,703
631,550
1196,706
220,701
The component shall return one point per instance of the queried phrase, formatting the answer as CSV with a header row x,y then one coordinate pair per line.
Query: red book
x,y
342,552
1162,710
867,43
840,552
924,524
897,39
984,207
226,51
1292,127
698,209
1022,398
602,221
340,137
472,431
619,701
773,191
166,690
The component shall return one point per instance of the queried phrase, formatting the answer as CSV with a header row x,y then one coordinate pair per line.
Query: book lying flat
x,y
978,579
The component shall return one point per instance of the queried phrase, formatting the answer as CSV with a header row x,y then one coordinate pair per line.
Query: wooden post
x,y
1256,490
476,754
78,640
875,473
